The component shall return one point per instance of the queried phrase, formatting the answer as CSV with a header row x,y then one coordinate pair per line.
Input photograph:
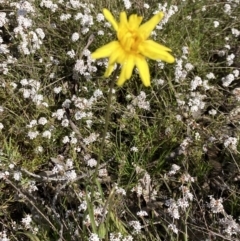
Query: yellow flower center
x,y
129,40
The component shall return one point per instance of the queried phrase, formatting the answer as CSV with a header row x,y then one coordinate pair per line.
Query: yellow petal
x,y
123,19
148,27
118,56
156,51
109,70
126,71
105,50
134,21
108,15
122,79
143,69
129,66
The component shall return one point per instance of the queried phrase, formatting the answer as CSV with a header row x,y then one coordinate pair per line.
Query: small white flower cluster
x,y
216,205
4,64
86,19
134,149
70,139
3,236
197,81
231,143
91,138
196,102
144,186
174,169
180,71
168,12
236,93
120,190
49,4
136,226
30,89
173,228
84,68
3,19
230,226
119,237
31,40
230,78
182,203
27,221
31,186
142,214
99,214
32,134
235,32
127,4
93,237
230,59
65,16
140,101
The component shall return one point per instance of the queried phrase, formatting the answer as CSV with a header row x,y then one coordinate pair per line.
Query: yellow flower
x,y
132,46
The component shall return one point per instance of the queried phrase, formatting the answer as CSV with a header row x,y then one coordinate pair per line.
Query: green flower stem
x,y
107,116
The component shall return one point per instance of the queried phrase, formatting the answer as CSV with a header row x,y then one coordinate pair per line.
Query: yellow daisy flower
x,y
132,46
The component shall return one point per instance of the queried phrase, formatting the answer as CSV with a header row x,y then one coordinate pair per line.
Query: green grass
x,y
164,134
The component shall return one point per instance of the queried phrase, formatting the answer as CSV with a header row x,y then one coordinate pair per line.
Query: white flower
x,y
40,33
100,33
145,5
71,175
65,123
173,228
27,221
174,169
235,32
120,190
212,112
93,237
195,83
228,80
92,138
136,225
33,134
75,37
59,114
17,176
230,59
210,76
39,149
100,17
98,93
231,142
134,149
3,19
65,17
57,90
227,8
173,209
236,73
189,66
127,4
91,162
42,121
216,24
142,213
65,139
71,53
216,205
79,115
1,126
47,134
